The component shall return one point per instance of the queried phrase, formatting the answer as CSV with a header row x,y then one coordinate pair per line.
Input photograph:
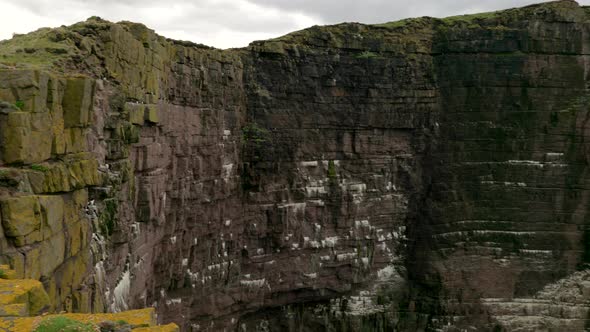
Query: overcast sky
x,y
231,23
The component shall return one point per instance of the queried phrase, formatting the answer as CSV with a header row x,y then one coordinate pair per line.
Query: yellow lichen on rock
x,y
152,113
137,317
27,292
77,101
135,112
52,210
6,272
74,140
77,171
14,310
21,219
47,145
143,320
162,328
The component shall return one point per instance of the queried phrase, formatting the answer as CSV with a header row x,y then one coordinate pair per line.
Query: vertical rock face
x,y
506,216
415,175
334,178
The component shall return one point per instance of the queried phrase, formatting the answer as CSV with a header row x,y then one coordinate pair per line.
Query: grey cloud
x,y
213,14
377,11
232,23
229,17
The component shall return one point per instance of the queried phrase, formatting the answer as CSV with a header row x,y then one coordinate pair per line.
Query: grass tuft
x,y
367,55
39,168
20,104
63,324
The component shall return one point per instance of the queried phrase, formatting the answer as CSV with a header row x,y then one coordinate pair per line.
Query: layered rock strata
x,y
426,174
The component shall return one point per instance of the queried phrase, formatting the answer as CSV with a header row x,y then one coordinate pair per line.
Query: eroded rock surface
x,y
427,174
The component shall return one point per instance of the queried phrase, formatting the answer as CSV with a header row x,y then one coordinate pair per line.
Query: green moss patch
x,y
331,170
108,217
39,168
367,55
256,139
38,49
470,18
19,104
64,324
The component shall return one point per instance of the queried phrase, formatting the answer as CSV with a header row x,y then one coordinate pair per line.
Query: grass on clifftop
x,y
470,17
534,11
451,20
401,23
39,168
38,49
64,324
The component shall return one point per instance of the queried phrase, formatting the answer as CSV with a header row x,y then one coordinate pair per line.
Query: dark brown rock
x,y
427,174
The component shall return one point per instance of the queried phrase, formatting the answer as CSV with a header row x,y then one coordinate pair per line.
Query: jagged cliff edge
x,y
416,175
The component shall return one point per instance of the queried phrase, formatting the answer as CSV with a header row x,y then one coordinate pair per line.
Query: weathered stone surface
x,y
152,113
136,113
52,211
76,172
22,297
21,219
16,133
414,175
77,101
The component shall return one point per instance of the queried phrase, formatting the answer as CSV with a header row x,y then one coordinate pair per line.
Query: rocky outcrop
x,y
426,174
505,213
22,300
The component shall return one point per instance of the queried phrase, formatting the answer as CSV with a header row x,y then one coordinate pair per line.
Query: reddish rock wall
x,y
421,174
